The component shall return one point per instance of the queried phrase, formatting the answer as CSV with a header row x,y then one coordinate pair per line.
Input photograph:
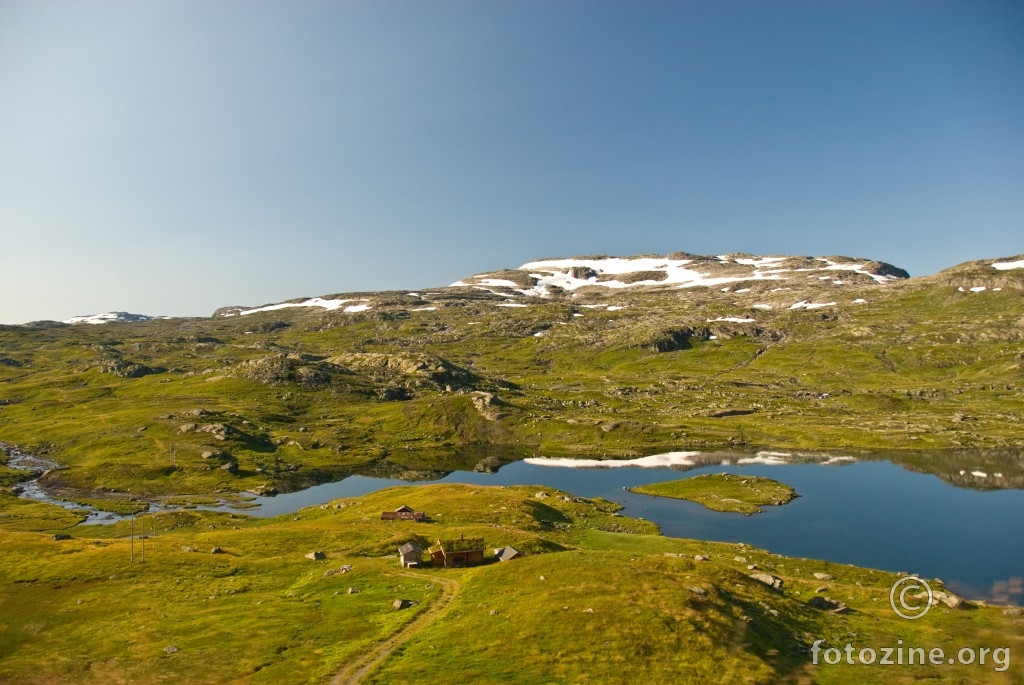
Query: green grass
x,y
598,598
724,492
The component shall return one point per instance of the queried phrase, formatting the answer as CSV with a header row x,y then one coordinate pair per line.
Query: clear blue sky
x,y
171,157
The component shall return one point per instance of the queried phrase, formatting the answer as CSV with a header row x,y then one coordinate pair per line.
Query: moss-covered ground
x,y
597,598
724,492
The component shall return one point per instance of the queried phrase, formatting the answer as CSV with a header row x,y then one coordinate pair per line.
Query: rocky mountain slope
x,y
595,356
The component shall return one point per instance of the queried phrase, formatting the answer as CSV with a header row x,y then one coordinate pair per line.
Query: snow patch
x,y
732,319
652,461
328,305
978,289
1006,266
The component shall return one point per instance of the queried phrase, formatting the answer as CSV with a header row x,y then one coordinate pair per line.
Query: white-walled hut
x,y
410,555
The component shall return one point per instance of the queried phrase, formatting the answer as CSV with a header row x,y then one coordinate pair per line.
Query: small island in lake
x,y
724,492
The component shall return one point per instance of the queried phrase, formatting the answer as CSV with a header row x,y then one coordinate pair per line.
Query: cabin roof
x,y
409,548
460,545
507,553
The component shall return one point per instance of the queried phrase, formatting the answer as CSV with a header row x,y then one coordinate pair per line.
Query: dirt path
x,y
360,668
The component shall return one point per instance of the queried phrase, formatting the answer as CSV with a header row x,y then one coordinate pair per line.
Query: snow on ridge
x,y
1006,266
732,319
109,317
328,305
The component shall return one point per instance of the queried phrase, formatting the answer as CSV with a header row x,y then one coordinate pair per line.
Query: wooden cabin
x,y
410,555
461,552
403,513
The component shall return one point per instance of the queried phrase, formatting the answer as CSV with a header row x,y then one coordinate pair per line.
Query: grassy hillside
x,y
597,598
285,398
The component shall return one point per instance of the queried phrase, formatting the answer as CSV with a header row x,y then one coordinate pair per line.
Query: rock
x,y
187,428
61,536
188,549
698,591
823,576
171,649
217,550
950,600
828,604
316,556
399,604
331,572
699,557
494,612
1013,611
742,560
197,412
768,579
352,591
230,467
820,589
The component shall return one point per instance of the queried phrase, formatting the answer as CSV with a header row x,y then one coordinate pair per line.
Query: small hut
x,y
507,553
410,555
402,513
461,552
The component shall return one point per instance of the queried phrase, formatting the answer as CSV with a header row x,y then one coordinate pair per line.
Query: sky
x,y
173,157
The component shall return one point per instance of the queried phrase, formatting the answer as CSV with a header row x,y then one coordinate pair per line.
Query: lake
x,y
868,513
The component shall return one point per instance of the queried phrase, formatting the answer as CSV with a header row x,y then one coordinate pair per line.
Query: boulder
x,y
399,604
217,550
774,582
316,556
823,576
828,604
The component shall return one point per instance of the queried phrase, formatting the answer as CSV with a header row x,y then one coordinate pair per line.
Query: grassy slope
x,y
724,492
77,611
921,366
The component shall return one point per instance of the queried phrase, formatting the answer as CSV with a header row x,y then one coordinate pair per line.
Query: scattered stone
x,y
171,649
352,591
823,576
230,467
588,611
216,550
950,600
768,579
698,590
820,589
187,428
494,612
400,604
699,557
828,604
752,567
742,560
331,572
186,548
316,556
61,536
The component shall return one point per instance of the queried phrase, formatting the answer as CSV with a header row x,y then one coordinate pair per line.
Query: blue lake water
x,y
869,513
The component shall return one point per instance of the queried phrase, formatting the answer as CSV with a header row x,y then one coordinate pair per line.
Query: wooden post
x,y
131,537
142,520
